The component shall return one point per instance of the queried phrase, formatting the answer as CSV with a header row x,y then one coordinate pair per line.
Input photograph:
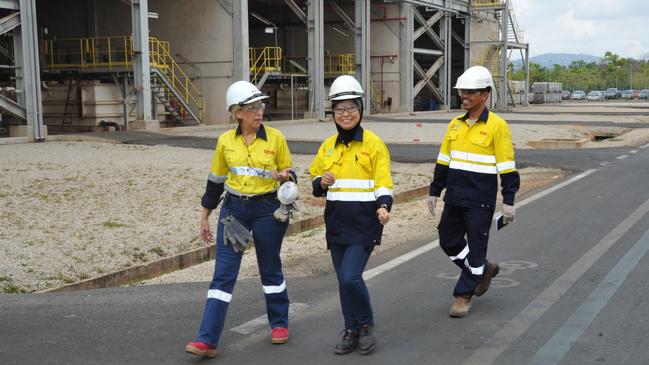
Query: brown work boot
x,y
490,272
461,307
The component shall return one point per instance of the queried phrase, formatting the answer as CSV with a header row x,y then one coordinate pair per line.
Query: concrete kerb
x,y
197,256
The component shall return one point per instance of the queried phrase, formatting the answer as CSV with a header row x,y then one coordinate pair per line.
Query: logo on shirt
x,y
269,152
484,133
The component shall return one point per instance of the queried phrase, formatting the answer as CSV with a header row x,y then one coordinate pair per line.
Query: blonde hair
x,y
233,113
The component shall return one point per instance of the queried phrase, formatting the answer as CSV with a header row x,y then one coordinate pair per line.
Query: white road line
x,y
399,260
262,321
431,245
622,157
634,151
604,163
508,334
645,146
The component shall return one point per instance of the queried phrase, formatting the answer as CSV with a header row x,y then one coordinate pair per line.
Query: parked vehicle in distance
x,y
613,93
644,94
578,95
595,95
628,94
565,95
636,94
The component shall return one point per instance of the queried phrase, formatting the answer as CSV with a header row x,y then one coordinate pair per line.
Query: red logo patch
x,y
484,133
269,152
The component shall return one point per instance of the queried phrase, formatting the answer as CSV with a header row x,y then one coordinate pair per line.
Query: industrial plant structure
x,y
74,65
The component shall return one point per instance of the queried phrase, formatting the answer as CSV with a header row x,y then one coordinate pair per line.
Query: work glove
x,y
432,202
509,213
236,235
285,211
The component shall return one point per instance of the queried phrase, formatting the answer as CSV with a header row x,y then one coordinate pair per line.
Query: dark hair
x,y
485,90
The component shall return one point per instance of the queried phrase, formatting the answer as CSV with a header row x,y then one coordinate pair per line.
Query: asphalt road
x,y
572,291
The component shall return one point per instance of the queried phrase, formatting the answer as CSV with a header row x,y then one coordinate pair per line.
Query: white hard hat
x,y
345,87
242,92
474,78
287,193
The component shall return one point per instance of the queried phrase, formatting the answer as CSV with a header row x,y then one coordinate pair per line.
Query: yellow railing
x,y
341,64
486,3
182,83
266,59
110,53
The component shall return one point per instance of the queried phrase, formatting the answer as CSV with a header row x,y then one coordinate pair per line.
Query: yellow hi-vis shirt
x,y
247,169
475,155
363,183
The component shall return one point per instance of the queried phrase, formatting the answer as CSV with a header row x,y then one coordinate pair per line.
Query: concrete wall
x,y
483,27
200,31
384,46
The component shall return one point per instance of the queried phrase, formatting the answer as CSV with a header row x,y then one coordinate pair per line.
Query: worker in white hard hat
x,y
476,149
352,170
249,164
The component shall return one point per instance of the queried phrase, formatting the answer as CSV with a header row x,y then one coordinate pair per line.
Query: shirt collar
x,y
484,116
261,132
358,135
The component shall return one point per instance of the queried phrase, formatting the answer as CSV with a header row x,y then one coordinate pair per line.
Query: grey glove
x,y
285,211
432,202
236,235
509,214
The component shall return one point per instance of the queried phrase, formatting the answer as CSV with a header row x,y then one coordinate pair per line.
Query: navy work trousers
x,y
268,234
349,262
469,254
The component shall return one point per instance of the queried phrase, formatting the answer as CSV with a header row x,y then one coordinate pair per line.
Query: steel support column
x,y
28,73
445,71
527,75
467,43
362,26
315,29
141,66
501,103
240,41
406,78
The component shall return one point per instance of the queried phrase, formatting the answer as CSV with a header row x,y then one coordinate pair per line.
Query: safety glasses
x,y
254,107
349,109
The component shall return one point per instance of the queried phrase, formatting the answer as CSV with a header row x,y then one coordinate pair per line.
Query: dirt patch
x,y
71,211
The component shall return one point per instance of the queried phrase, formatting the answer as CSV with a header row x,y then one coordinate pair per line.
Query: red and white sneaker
x,y
201,349
279,335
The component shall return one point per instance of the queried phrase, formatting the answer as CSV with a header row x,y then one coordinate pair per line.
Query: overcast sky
x,y
585,26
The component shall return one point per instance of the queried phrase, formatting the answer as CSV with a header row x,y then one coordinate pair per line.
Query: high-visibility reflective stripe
x,y
466,166
474,270
382,191
216,179
461,255
274,289
220,295
473,157
443,157
316,178
351,196
353,184
250,171
507,165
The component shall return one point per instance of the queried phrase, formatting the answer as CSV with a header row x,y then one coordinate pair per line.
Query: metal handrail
x,y
116,52
265,59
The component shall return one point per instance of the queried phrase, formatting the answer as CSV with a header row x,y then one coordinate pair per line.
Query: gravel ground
x,y
76,210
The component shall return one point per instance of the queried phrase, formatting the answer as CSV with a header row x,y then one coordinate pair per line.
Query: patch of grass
x,y
6,278
12,288
112,224
158,251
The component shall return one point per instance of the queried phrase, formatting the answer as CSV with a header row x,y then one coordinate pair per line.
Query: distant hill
x,y
548,60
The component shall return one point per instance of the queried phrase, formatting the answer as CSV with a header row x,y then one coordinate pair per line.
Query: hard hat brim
x,y
346,96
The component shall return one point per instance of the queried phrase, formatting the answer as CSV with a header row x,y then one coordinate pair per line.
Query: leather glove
x,y
509,213
285,211
236,235
432,202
